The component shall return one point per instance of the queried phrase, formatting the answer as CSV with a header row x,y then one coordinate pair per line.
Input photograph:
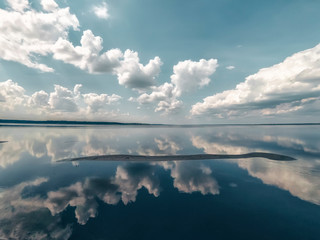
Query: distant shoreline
x,y
66,122
58,123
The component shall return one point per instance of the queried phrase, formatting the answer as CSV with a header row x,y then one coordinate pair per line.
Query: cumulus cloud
x,y
101,11
285,87
26,33
39,99
133,74
187,76
130,72
62,99
97,102
87,56
59,103
165,96
12,95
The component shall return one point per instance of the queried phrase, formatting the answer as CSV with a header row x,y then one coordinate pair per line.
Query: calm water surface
x,y
41,198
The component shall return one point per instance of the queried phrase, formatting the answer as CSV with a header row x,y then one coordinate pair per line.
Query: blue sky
x,y
206,61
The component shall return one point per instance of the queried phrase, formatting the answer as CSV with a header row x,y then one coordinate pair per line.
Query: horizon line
x,y
16,122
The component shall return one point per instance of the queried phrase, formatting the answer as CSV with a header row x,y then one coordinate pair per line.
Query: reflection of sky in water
x,y
43,199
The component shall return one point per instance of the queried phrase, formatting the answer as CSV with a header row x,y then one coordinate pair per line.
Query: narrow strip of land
x,y
145,158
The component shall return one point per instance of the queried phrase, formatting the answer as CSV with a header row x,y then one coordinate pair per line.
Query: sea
x,y
123,182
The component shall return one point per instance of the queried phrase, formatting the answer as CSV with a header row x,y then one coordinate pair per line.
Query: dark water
x,y
251,198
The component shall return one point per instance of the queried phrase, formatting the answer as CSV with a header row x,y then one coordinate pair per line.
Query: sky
x,y
168,61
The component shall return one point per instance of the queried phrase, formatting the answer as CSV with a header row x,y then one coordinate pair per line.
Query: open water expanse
x,y
263,195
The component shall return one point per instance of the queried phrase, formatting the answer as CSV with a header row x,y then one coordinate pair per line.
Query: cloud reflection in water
x,y
28,218
301,178
83,194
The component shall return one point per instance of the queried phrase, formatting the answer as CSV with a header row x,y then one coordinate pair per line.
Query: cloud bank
x,y
60,103
290,86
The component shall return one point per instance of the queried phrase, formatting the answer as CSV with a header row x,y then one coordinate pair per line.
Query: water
x,y
255,198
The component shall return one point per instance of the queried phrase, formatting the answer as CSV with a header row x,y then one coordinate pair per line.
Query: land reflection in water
x,y
33,182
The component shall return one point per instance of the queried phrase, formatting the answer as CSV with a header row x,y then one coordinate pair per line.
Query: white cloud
x,y
12,95
86,56
187,76
11,90
63,99
131,73
171,106
18,5
57,104
39,99
101,11
26,33
282,88
49,5
164,96
97,102
161,93
230,67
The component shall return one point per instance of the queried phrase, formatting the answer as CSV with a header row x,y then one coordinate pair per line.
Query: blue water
x,y
257,198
